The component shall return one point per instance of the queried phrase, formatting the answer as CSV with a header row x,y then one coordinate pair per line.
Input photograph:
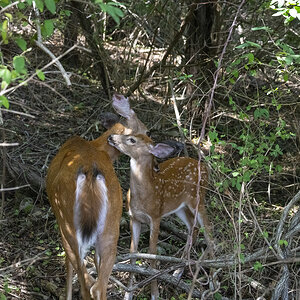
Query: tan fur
x,y
78,153
81,179
156,194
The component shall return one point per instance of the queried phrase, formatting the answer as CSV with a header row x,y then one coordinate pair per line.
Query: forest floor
x,y
31,255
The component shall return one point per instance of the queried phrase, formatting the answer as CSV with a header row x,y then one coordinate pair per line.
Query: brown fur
x,y
81,179
75,155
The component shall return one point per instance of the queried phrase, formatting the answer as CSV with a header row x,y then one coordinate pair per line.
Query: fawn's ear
x,y
108,119
122,106
177,146
161,150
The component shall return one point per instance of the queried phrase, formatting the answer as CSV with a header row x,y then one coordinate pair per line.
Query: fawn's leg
x,y
154,231
135,228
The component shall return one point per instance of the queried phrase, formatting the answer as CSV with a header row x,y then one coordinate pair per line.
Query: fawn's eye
x,y
132,140
148,133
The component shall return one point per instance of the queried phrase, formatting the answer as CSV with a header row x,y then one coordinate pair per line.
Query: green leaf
x,y
254,44
247,176
213,135
4,3
217,296
4,28
268,29
21,43
283,242
66,12
50,4
111,9
2,297
47,28
21,5
235,73
19,64
3,85
288,60
250,58
257,266
242,258
40,75
40,5
244,45
9,16
232,80
235,174
293,13
248,44
261,113
5,74
4,102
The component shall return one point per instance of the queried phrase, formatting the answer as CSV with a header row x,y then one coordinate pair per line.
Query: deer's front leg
x,y
154,232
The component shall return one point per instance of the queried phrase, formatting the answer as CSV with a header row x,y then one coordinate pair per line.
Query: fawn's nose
x,y
110,139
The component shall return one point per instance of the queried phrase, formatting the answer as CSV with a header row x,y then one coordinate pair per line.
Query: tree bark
x,y
202,42
95,45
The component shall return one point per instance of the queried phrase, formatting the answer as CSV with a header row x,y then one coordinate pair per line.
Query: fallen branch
x,y
282,287
14,188
9,144
152,272
17,112
223,262
22,263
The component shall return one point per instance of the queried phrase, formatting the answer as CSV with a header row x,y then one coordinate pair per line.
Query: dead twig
x,y
160,64
282,287
35,74
14,188
202,134
152,272
40,44
18,113
8,144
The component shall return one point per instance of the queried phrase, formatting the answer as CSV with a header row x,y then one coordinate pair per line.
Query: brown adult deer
x,y
153,195
86,198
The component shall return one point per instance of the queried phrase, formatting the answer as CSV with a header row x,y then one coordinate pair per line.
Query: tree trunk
x,y
95,45
202,42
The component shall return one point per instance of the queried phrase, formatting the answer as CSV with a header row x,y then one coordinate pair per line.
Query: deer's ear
x,y
108,119
161,150
121,105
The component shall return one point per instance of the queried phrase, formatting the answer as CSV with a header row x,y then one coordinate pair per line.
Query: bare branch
x,y
9,144
40,44
17,112
14,188
34,74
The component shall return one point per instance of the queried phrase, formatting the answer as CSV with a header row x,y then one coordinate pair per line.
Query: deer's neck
x,y
141,175
102,144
